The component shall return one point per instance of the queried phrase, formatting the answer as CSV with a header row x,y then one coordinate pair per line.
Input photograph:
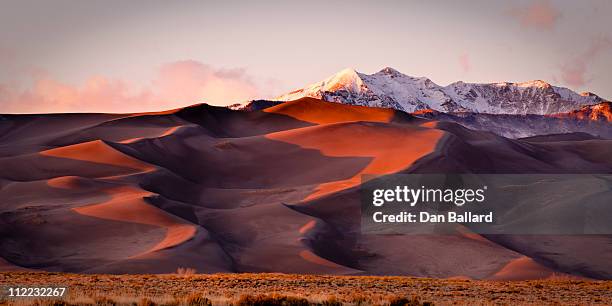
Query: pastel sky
x,y
125,56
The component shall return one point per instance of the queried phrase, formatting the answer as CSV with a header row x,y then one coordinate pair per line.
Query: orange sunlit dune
x,y
523,268
97,152
318,112
128,205
390,148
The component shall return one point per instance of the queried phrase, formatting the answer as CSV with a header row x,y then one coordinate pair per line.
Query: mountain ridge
x,y
390,88
591,119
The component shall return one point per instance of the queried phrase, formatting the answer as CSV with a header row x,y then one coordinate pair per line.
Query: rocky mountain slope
x,y
390,88
601,112
593,120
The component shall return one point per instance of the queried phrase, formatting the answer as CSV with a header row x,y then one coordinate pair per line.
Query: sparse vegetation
x,y
198,300
331,301
146,302
404,301
53,302
104,301
272,300
289,290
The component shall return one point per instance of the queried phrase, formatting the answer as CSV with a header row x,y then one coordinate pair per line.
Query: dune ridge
x,y
128,205
389,148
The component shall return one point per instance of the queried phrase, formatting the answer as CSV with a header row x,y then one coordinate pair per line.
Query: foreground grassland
x,y
282,289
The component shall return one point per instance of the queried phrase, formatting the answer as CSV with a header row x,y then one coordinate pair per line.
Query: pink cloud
x,y
574,72
176,84
539,14
192,81
465,63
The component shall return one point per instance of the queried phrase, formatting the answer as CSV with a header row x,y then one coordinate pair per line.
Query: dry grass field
x,y
284,289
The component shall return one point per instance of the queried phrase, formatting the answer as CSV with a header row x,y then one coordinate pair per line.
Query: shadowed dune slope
x,y
273,190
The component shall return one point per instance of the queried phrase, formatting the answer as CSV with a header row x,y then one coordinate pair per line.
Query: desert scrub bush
x,y
331,301
185,271
404,301
146,302
272,300
104,301
51,303
359,299
197,300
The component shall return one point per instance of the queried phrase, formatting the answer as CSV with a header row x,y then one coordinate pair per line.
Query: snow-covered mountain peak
x,y
534,83
393,89
390,71
347,79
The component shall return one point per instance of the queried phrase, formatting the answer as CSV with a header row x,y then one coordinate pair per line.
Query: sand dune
x,y
263,191
97,152
390,148
128,205
6,266
313,111
522,268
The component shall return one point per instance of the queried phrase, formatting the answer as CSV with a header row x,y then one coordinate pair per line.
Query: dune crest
x,y
522,268
163,133
318,112
98,152
314,258
391,148
127,204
